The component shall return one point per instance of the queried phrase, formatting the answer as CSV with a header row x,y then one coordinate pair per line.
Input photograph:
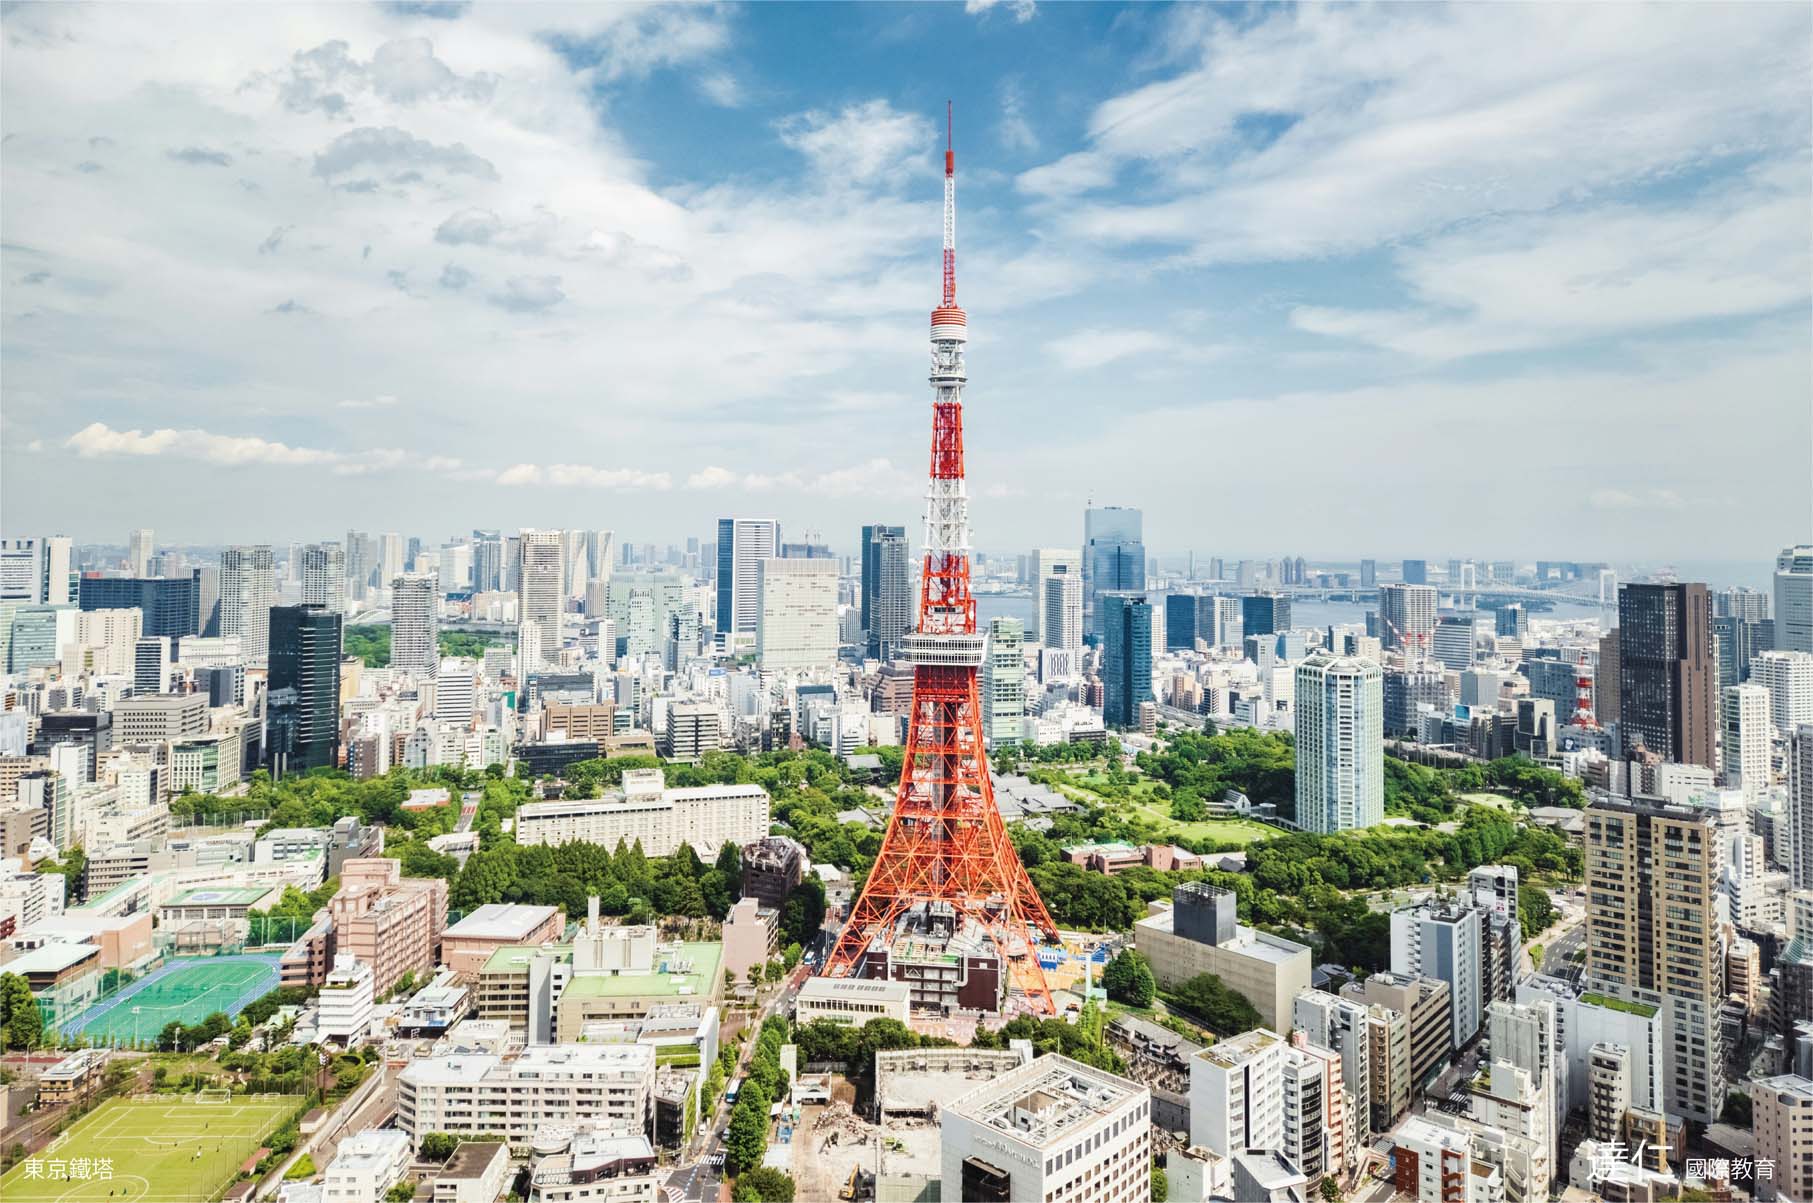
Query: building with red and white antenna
x,y
947,887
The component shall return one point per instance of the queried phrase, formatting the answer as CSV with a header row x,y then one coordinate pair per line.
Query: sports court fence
x,y
189,998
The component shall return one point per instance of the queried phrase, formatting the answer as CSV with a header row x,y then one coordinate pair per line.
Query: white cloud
x,y
1011,127
397,154
1021,10
584,476
627,297
861,143
381,401
1538,281
712,477
722,89
1328,130
98,440
876,477
529,294
1148,349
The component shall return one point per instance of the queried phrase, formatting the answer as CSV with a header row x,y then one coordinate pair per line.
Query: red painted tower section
x,y
946,842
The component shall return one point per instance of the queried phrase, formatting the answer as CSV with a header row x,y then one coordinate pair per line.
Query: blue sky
x,y
1485,280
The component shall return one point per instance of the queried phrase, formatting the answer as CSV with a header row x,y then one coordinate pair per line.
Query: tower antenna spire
x,y
950,210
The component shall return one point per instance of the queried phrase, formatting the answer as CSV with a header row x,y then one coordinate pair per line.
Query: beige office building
x,y
1423,1004
1267,971
1653,936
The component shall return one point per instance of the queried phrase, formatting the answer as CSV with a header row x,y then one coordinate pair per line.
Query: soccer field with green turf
x,y
159,1150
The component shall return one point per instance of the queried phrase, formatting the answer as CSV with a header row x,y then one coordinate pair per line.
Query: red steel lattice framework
x,y
946,841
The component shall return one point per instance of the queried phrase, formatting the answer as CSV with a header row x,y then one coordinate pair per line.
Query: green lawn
x,y
1233,831
159,1150
1497,800
1143,803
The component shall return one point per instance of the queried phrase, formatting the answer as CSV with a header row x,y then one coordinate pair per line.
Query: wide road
x,y
700,1174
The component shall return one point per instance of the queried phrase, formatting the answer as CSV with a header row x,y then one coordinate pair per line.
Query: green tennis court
x,y
187,989
154,1150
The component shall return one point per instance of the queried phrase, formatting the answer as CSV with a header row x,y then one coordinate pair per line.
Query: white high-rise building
x,y
1048,561
528,649
454,566
248,590
743,543
1794,599
57,556
106,641
1407,618
1061,600
1339,1025
324,576
346,1001
1340,727
796,619
415,624
600,551
1051,1129
1237,1094
140,547
455,690
1004,683
1788,676
1800,806
151,665
22,570
1230,623
390,557
577,560
1744,727
540,598
1306,1090
1527,1034
1445,941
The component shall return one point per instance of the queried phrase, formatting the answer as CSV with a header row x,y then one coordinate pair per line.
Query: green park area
x,y
157,1150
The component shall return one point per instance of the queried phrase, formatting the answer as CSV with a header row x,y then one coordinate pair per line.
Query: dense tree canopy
x,y
1213,1004
1128,979
21,1023
370,642
1199,767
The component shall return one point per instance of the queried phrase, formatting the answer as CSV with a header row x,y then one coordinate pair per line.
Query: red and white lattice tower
x,y
946,841
1584,715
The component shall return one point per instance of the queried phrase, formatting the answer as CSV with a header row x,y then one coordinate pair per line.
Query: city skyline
x,y
341,257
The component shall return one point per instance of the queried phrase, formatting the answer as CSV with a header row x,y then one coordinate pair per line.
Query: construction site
x,y
893,1155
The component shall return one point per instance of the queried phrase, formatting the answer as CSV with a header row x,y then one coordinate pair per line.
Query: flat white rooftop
x,y
855,987
1047,1100
501,921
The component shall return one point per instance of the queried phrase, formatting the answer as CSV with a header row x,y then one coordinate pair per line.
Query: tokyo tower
x,y
946,842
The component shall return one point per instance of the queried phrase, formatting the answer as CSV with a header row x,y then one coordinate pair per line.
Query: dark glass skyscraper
x,y
171,606
1416,572
1114,557
1181,619
1126,657
1668,672
887,588
1265,613
302,710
